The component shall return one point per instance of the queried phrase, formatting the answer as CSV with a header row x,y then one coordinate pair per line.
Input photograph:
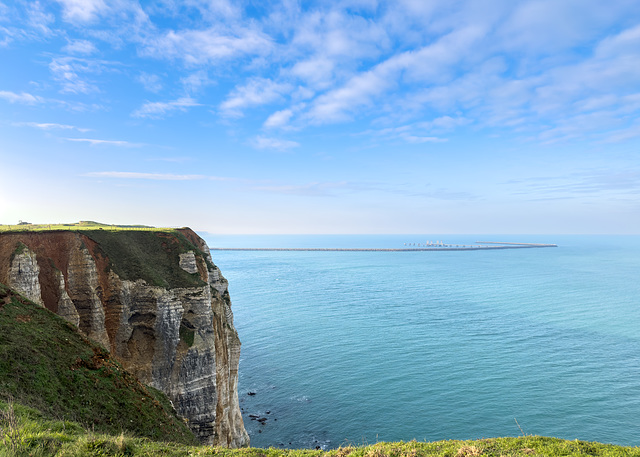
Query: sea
x,y
351,348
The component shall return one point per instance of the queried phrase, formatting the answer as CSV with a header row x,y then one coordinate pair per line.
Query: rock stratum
x,y
155,300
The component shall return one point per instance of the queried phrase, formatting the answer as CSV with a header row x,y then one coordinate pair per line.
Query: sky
x,y
330,117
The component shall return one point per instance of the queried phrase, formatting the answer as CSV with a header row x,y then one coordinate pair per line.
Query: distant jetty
x,y
413,247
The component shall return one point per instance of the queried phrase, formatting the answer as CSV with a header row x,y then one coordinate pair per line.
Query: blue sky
x,y
361,116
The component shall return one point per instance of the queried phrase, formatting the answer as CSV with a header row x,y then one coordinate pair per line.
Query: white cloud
x,y
626,42
422,139
51,126
80,47
70,73
429,64
200,47
415,133
195,82
215,9
152,83
82,11
628,133
317,71
278,119
258,91
23,97
261,142
160,109
152,176
95,142
39,19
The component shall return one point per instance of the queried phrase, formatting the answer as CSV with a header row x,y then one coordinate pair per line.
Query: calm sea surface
x,y
358,347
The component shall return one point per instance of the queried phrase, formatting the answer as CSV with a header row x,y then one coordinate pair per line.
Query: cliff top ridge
x,y
132,251
22,226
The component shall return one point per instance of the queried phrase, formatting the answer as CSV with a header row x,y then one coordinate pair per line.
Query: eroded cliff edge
x,y
155,299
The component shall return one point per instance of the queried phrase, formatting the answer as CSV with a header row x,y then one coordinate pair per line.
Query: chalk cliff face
x,y
155,300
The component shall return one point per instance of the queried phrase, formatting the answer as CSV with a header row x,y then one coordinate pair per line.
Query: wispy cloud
x,y
39,18
427,64
71,73
152,176
96,142
262,142
151,82
84,47
315,189
157,110
82,11
256,92
50,126
200,47
136,175
580,184
23,98
278,119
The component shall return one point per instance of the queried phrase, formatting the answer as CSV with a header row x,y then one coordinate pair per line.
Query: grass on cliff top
x,y
31,435
77,226
150,255
46,364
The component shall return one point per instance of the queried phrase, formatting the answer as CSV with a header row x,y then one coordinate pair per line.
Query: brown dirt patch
x,y
469,451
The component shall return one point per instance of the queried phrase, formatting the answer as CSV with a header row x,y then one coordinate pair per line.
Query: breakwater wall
x,y
486,245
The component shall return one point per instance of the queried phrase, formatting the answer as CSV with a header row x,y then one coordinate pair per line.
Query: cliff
x,y
154,299
48,365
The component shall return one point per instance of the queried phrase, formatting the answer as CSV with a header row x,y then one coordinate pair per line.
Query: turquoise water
x,y
359,347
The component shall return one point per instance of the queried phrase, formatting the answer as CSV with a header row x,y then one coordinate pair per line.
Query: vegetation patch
x,y
55,438
187,333
47,365
151,255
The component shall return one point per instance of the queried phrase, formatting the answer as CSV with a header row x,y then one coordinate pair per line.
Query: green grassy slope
x,y
46,364
152,255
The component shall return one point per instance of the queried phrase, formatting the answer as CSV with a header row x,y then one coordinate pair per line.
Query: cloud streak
x,y
151,176
22,98
97,142
158,110
261,142
51,126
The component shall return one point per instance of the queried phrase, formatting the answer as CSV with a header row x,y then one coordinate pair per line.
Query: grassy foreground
x,y
32,435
